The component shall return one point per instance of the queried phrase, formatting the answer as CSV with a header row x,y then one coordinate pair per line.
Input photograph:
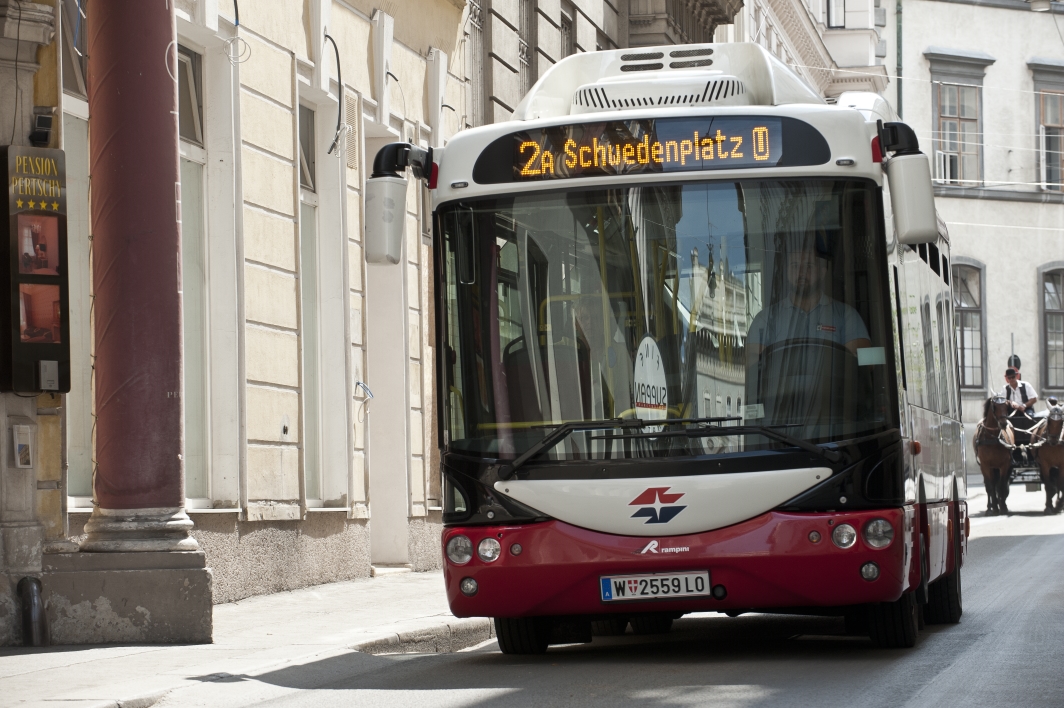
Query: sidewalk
x,y
391,614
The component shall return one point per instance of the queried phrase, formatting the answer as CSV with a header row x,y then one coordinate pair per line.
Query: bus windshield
x,y
759,302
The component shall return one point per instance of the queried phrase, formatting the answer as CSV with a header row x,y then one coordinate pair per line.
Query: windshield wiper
x,y
709,431
561,432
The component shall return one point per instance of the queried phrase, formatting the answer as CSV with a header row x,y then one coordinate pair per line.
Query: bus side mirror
x,y
912,198
385,219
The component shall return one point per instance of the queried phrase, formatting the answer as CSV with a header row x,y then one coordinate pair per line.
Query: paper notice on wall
x,y
22,448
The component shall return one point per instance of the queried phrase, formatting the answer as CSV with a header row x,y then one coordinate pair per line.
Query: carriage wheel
x,y
893,625
525,635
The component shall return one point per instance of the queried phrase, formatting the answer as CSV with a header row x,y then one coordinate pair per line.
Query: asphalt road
x,y
1008,650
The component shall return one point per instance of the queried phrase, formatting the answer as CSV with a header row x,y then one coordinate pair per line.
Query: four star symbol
x,y
33,205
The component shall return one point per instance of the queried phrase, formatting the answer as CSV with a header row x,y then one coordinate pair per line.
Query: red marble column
x,y
138,485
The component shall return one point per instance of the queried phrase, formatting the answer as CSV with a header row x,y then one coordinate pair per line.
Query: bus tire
x,y
612,627
893,625
651,624
944,596
523,635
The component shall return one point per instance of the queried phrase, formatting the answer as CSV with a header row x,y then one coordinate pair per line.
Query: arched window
x,y
968,308
1053,292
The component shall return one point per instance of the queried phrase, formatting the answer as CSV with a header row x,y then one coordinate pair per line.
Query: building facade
x,y
990,114
310,444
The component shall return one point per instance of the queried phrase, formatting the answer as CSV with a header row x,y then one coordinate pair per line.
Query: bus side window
x,y
900,328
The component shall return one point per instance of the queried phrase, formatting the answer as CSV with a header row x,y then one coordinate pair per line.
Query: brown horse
x,y
994,442
1048,441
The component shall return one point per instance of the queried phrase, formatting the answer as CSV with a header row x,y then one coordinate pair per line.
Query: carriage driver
x,y
1018,393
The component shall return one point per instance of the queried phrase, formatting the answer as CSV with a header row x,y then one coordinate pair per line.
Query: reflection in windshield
x,y
760,301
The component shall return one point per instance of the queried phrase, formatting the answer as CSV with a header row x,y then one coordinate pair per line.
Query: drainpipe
x,y
34,619
897,51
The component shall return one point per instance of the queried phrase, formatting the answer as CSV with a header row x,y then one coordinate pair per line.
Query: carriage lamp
x,y
878,533
489,550
468,586
844,536
459,550
814,536
869,571
516,549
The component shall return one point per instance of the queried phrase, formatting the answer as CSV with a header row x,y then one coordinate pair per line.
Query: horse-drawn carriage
x,y
1014,448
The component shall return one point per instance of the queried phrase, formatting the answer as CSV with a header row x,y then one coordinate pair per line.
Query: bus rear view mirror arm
x,y
912,197
386,199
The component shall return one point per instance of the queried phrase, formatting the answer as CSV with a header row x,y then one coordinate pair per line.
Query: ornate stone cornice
x,y
868,78
813,55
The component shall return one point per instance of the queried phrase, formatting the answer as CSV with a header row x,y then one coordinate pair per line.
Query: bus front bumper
x,y
770,561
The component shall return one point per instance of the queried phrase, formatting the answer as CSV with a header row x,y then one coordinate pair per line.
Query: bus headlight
x,y
489,549
878,533
844,536
459,550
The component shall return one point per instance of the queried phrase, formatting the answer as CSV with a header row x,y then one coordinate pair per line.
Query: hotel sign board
x,y
34,314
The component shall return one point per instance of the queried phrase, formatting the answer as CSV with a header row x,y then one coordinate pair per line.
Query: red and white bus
x,y
695,353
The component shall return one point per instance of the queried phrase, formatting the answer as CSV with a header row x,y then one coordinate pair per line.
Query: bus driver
x,y
793,375
806,312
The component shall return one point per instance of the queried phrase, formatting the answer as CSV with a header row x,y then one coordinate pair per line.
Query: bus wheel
x,y
651,624
893,625
524,635
945,606
612,627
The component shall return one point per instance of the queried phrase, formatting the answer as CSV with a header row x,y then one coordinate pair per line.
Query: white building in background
x,y
836,45
982,83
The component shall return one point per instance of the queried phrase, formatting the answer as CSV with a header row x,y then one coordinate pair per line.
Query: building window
x,y
956,91
968,309
308,282
189,96
476,63
306,148
75,62
959,144
526,41
1053,291
1051,138
568,36
836,14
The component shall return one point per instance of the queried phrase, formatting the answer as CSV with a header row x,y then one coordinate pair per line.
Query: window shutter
x,y
1042,156
351,116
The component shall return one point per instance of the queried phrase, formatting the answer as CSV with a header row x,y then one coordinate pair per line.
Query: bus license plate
x,y
653,586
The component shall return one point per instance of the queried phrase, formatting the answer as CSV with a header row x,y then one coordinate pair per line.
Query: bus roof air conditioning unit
x,y
689,88
691,75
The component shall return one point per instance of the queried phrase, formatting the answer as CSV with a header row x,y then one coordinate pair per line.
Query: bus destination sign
x,y
650,146
635,147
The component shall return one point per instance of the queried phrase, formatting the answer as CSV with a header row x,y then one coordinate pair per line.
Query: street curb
x,y
448,637
146,700
444,638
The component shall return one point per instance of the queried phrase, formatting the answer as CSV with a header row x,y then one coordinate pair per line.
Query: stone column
x,y
24,28
138,485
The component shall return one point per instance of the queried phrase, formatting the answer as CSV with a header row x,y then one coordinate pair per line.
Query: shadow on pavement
x,y
709,641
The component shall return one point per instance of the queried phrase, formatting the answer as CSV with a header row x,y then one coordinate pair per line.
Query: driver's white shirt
x,y
1014,395
829,319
